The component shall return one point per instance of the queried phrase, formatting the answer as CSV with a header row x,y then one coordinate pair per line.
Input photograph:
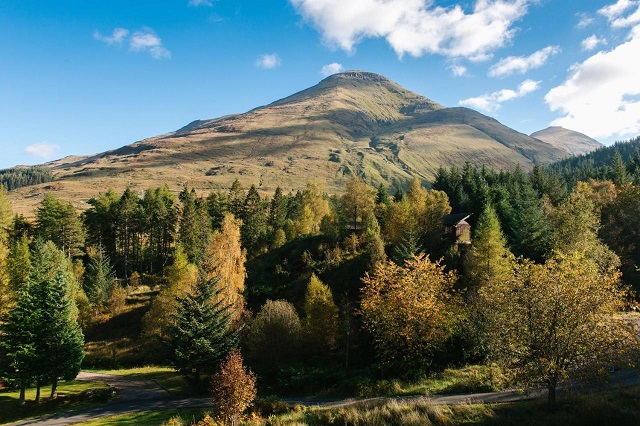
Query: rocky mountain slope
x,y
350,123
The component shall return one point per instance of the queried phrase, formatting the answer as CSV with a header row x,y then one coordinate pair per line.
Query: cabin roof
x,y
454,219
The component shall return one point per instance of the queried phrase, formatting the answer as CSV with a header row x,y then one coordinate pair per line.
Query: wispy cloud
x,y
268,61
522,64
592,42
196,3
492,102
44,151
600,97
331,69
584,20
118,36
143,40
458,70
146,40
417,27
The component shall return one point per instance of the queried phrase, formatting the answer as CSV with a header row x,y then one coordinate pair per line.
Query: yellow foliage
x,y
409,309
234,389
225,258
321,321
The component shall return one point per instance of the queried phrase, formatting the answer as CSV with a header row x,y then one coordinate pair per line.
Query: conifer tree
x,y
60,223
489,258
195,226
99,279
19,263
199,336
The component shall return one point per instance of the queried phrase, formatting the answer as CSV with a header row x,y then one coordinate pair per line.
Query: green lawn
x,y
166,377
71,396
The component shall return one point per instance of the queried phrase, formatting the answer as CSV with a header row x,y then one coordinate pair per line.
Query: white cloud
x,y
196,3
268,61
585,20
42,150
118,36
144,40
615,13
522,64
493,101
331,69
600,96
590,43
458,70
416,27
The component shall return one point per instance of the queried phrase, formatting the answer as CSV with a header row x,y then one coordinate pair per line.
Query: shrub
x,y
234,389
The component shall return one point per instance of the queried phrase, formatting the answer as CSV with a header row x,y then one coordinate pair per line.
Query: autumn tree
x,y
556,321
357,201
321,315
489,258
234,389
577,222
313,208
7,290
225,258
181,278
410,309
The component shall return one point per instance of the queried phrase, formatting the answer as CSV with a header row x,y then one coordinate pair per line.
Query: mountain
x,y
350,123
573,142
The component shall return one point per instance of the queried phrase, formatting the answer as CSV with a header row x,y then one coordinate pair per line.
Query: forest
x,y
326,293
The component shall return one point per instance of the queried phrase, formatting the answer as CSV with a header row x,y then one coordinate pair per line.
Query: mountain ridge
x,y
349,123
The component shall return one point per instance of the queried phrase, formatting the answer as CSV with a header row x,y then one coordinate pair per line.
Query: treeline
x,y
17,177
619,163
317,288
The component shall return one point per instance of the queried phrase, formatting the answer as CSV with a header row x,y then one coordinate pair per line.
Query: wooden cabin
x,y
456,228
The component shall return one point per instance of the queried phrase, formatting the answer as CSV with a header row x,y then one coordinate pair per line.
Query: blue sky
x,y
85,76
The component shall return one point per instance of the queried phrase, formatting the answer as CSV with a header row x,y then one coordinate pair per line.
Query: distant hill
x,y
350,123
574,143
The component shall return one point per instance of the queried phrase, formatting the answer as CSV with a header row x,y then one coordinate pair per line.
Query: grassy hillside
x,y
350,123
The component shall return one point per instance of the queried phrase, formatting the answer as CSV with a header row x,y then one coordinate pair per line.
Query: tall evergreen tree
x,y
489,258
99,278
199,336
60,223
195,226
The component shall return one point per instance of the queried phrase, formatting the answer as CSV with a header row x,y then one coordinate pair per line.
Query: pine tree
x,y
60,223
99,279
619,174
195,226
19,263
199,336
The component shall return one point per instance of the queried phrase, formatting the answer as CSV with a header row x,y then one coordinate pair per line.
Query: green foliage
x,y
19,177
41,341
195,226
199,336
321,316
275,335
60,223
99,278
489,258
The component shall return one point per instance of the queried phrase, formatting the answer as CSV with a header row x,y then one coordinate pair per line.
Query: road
x,y
136,395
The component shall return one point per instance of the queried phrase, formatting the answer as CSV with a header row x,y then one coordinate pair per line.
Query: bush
x,y
234,389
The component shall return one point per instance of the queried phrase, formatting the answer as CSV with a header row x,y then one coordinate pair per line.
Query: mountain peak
x,y
572,142
357,75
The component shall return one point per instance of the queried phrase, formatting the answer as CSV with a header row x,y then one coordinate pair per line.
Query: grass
x,y
166,377
149,418
620,407
469,379
71,396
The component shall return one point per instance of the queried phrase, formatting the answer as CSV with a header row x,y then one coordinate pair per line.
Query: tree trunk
x,y
38,391
22,400
551,397
54,388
